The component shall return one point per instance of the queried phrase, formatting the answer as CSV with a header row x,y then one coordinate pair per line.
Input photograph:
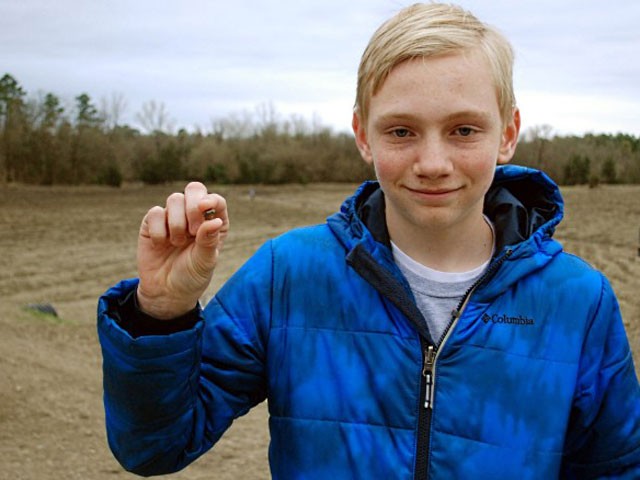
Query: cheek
x,y
482,167
380,161
387,170
382,167
391,162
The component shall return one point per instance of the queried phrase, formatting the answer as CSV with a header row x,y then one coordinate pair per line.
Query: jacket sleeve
x,y
604,437
169,398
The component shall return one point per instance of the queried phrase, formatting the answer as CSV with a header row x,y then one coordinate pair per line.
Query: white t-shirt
x,y
437,293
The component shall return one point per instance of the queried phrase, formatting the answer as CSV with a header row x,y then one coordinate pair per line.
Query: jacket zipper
x,y
424,415
427,373
430,358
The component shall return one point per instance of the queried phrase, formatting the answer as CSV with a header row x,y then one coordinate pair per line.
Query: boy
x,y
430,329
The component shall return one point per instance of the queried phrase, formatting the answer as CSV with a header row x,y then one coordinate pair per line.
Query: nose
x,y
432,159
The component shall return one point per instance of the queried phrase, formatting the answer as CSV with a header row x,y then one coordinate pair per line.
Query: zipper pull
x,y
427,371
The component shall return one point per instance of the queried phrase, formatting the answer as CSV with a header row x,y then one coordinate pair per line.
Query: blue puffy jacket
x,y
534,379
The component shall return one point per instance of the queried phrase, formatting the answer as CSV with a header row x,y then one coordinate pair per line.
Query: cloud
x,y
204,58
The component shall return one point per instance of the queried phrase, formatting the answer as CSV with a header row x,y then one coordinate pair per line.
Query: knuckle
x,y
220,200
195,186
155,212
175,197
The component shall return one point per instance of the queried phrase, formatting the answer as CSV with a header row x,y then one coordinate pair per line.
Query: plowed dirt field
x,y
64,246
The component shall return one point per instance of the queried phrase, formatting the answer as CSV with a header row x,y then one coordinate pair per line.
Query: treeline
x,y
579,160
45,142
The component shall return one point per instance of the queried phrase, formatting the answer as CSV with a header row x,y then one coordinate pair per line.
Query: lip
x,y
432,192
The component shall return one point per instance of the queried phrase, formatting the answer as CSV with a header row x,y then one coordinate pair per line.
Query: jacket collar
x,y
522,202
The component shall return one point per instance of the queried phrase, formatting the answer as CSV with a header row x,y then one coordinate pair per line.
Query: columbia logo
x,y
519,320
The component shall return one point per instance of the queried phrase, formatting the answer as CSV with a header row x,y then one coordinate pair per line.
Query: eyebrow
x,y
473,115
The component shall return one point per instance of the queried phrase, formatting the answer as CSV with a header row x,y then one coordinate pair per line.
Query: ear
x,y
361,138
509,138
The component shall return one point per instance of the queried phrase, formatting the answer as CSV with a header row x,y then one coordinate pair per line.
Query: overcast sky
x,y
577,62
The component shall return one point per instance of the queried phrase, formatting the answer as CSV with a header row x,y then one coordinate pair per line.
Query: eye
x,y
400,132
464,131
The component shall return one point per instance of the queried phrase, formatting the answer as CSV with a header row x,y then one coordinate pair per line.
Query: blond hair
x,y
428,30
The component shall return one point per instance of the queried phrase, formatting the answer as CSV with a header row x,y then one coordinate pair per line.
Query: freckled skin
x,y
434,135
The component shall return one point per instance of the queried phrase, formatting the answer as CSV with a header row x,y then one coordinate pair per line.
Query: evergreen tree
x,y
12,124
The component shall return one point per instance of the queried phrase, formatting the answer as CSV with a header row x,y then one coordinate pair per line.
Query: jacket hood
x,y
524,204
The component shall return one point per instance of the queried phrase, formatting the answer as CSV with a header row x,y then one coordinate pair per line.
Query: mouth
x,y
433,192
433,196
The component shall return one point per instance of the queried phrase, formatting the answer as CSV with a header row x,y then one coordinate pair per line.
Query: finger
x,y
207,245
194,192
176,219
214,206
154,225
209,233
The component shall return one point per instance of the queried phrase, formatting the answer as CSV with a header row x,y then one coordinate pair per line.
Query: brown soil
x,y
65,246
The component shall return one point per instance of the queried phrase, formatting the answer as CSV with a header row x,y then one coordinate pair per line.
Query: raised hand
x,y
178,249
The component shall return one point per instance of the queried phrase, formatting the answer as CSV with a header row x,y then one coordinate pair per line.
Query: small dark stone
x,y
45,308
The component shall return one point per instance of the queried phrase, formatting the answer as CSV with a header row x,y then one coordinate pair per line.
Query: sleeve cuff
x,y
127,314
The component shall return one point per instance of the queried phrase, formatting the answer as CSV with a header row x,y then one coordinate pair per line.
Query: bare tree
x,y
154,118
112,110
267,119
235,125
539,136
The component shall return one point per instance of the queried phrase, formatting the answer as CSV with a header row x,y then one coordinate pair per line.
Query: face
x,y
434,136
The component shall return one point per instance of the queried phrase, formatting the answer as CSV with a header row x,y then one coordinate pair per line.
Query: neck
x,y
448,249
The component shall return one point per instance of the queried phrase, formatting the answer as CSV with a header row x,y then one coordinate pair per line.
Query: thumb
x,y
207,245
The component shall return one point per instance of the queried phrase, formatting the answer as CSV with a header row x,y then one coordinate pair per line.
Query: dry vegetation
x,y
65,246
